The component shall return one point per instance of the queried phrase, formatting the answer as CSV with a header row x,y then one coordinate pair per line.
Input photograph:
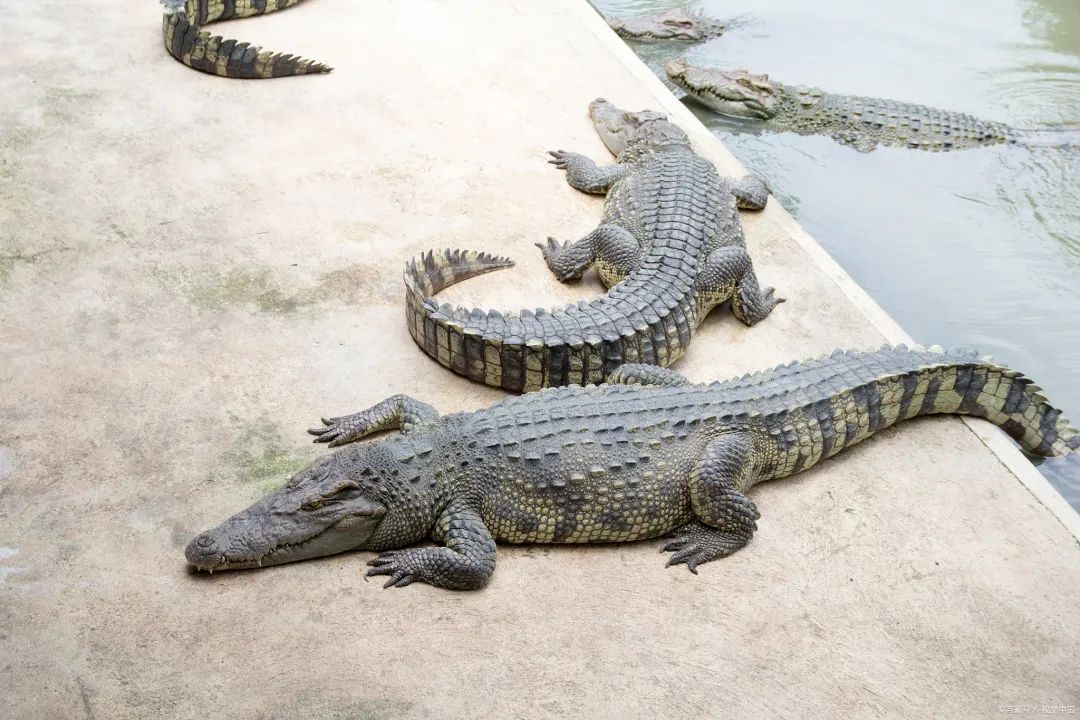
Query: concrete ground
x,y
193,270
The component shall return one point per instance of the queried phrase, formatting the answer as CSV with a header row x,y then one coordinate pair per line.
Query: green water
x,y
975,248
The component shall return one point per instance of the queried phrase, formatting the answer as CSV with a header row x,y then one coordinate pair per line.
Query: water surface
x,y
975,248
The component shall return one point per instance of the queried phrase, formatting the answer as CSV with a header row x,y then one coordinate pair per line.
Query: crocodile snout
x,y
203,551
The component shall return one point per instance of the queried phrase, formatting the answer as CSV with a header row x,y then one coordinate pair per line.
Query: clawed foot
x,y
391,563
561,158
699,543
753,313
340,430
554,250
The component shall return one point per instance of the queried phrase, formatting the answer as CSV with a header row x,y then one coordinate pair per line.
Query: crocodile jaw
x,y
736,93
350,533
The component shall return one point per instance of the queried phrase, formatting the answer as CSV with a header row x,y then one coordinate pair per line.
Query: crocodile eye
x,y
311,504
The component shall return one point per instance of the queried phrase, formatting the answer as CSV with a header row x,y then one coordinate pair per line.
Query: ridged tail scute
x,y
452,336
1016,405
962,383
186,41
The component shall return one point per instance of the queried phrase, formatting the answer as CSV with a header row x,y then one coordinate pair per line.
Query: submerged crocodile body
x,y
187,42
645,456
859,122
670,248
672,25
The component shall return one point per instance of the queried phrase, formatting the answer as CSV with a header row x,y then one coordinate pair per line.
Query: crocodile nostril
x,y
205,541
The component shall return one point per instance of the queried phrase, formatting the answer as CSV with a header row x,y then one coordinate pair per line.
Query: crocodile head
x,y
671,25
333,505
622,130
729,92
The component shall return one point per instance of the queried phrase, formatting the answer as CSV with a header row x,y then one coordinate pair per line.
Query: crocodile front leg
x,y
466,561
613,248
398,412
585,175
726,517
728,274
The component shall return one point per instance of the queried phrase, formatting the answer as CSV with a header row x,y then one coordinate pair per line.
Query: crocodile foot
x,y
391,563
697,543
562,261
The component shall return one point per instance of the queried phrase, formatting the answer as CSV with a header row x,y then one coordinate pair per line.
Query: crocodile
x,y
671,25
185,40
670,248
643,456
862,123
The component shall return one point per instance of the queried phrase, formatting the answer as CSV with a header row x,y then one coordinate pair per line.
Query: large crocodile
x,y
860,122
186,41
673,25
670,248
644,456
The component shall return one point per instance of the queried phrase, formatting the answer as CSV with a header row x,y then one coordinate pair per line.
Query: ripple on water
x,y
978,248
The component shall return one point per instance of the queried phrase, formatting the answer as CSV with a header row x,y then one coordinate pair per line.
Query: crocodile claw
x,y
337,431
552,250
561,158
387,564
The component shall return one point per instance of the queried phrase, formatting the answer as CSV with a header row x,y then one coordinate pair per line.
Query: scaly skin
x,y
860,122
190,44
673,25
647,455
670,248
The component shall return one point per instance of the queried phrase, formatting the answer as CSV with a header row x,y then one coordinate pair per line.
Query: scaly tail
x,y
432,272
916,382
186,41
1015,404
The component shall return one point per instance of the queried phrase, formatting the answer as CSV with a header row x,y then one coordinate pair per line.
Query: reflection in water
x,y
976,248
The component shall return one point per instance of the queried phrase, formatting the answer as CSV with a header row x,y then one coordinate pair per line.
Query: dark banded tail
x,y
816,409
916,382
186,41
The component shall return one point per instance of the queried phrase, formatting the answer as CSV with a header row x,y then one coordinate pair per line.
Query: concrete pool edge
x,y
993,438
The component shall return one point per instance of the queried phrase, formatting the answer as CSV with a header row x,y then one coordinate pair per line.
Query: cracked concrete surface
x,y
193,270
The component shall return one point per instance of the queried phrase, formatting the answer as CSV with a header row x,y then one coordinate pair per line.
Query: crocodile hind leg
x,y
613,249
725,516
728,274
466,561
584,174
398,412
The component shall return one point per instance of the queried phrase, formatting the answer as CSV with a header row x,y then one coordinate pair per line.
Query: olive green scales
x,y
646,455
185,40
670,248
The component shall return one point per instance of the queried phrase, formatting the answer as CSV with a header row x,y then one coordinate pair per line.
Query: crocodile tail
x,y
1020,408
436,270
444,331
966,384
186,41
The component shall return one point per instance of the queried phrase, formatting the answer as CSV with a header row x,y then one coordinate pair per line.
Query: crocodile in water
x,y
190,44
670,248
860,122
674,25
645,456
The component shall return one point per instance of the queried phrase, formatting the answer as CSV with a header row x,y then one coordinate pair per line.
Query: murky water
x,y
978,248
